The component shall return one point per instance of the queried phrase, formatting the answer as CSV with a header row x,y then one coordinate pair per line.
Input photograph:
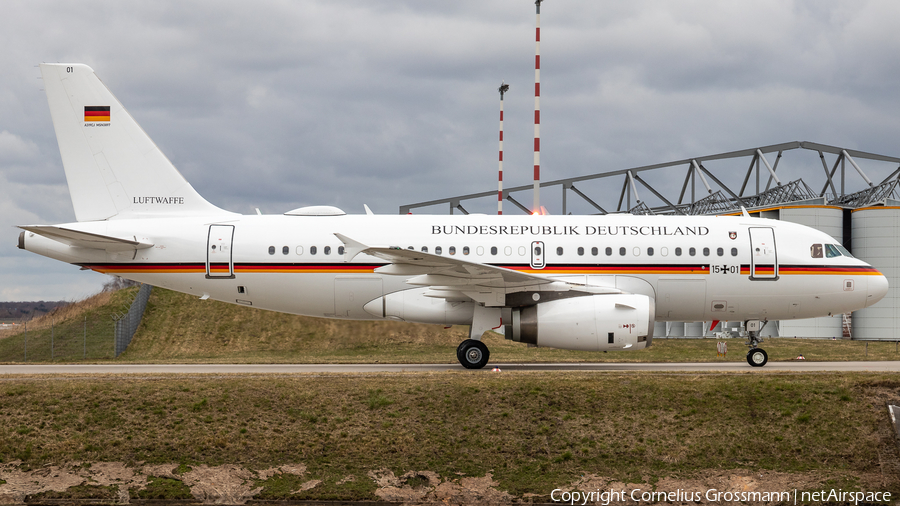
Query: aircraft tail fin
x,y
113,168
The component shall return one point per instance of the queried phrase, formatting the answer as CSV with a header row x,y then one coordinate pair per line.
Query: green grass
x,y
179,328
164,488
533,431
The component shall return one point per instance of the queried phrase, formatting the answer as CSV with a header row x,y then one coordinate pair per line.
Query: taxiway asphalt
x,y
731,367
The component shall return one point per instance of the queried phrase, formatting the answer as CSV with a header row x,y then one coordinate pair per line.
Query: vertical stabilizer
x,y
113,168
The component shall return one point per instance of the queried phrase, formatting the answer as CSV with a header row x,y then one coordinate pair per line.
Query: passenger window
x,y
340,250
493,250
437,250
608,251
831,251
621,252
559,251
637,251
479,250
815,251
594,251
451,250
465,250
580,251
299,250
678,252
692,251
706,252
734,252
312,250
649,252
522,251
664,251
720,251
408,247
424,249
271,250
507,251
327,250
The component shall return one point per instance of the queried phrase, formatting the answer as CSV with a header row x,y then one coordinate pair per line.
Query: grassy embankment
x,y
181,328
81,329
533,431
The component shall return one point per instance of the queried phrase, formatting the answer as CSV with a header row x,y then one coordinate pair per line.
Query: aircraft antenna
x,y
537,109
503,89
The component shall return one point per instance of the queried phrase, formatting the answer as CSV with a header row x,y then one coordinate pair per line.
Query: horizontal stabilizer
x,y
86,239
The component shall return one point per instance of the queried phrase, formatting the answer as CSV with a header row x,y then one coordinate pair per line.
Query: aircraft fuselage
x,y
695,268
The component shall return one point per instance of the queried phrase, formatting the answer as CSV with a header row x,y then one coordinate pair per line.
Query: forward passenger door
x,y
763,256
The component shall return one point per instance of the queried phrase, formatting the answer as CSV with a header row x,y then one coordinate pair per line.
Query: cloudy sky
x,y
277,104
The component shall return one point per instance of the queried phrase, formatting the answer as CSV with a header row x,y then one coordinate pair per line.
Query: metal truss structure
x,y
719,198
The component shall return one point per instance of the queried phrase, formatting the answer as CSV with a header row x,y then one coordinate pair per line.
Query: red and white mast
x,y
503,88
537,110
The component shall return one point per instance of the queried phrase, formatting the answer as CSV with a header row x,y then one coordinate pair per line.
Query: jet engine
x,y
414,306
589,323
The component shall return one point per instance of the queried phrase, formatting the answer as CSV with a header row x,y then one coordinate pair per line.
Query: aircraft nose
x,y
877,289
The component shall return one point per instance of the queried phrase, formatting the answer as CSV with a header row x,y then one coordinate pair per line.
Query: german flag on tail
x,y
96,113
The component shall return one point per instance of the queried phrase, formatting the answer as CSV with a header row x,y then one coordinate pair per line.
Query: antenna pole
x,y
503,89
537,109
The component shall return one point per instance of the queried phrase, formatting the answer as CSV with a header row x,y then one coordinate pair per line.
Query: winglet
x,y
744,212
368,211
351,247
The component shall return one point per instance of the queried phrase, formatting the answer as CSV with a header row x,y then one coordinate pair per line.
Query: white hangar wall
x,y
876,239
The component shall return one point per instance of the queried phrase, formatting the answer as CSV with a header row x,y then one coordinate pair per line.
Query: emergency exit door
x,y
763,256
219,259
538,254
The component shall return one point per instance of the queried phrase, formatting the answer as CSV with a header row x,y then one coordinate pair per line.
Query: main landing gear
x,y
756,357
473,354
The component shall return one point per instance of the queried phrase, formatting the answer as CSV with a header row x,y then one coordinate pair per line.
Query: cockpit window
x,y
829,250
843,251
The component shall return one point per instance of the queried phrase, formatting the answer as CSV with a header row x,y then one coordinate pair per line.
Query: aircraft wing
x,y
86,239
456,279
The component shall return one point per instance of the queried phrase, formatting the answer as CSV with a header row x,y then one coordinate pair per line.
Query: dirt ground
x,y
230,484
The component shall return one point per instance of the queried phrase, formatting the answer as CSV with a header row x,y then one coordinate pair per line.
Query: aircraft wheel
x,y
459,349
473,354
757,357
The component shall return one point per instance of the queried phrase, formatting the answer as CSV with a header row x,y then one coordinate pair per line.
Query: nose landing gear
x,y
756,357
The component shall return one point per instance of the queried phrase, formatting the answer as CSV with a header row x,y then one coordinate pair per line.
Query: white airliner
x,y
574,282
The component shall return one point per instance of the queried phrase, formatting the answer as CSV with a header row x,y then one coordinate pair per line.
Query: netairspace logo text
x,y
638,496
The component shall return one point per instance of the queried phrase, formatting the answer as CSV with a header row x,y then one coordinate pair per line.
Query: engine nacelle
x,y
589,323
414,306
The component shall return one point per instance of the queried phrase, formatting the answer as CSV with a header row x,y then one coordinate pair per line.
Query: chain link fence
x,y
127,324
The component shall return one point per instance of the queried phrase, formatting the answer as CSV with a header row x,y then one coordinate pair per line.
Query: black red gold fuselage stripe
x,y
344,268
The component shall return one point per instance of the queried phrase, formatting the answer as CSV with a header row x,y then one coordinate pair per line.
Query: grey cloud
x,y
281,104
